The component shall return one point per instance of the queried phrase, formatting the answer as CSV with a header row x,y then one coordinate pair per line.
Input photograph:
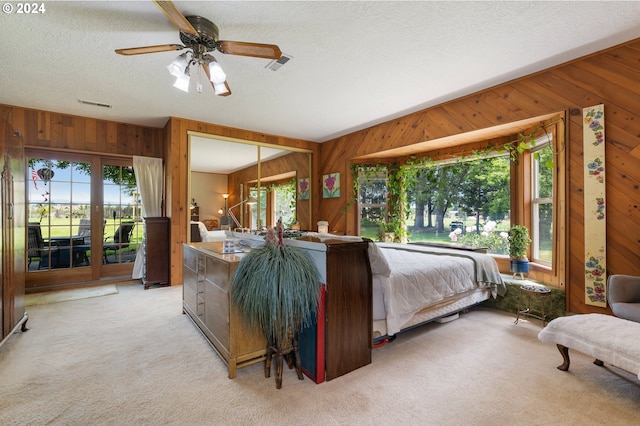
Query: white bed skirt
x,y
447,307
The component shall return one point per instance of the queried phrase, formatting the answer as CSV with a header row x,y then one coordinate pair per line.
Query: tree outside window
x,y
542,203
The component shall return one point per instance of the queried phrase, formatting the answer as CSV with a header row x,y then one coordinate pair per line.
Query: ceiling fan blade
x,y
149,49
206,70
176,17
228,90
257,50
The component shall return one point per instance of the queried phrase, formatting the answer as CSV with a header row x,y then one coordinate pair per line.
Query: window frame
x,y
536,201
373,173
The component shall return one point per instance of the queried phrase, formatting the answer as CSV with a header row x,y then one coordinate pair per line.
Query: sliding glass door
x,y
58,214
83,217
123,226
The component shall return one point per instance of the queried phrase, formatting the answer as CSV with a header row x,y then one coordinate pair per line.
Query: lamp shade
x,y
182,83
178,65
217,76
220,88
251,201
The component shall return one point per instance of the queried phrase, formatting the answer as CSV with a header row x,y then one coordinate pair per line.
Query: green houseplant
x,y
391,231
387,231
277,287
519,241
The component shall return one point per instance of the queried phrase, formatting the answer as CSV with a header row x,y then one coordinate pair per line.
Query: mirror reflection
x,y
236,184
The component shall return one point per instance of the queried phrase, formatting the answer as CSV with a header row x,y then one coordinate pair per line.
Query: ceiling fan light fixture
x,y
217,74
200,36
182,83
220,88
178,66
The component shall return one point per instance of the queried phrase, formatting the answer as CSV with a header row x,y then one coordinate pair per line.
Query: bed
x,y
200,233
415,284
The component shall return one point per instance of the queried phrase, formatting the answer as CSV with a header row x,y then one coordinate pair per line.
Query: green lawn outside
x,y
429,235
60,228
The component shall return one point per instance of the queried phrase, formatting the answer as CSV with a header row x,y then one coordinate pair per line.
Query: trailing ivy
x,y
400,175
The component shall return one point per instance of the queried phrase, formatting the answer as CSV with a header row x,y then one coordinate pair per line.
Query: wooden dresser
x,y
156,251
337,344
208,276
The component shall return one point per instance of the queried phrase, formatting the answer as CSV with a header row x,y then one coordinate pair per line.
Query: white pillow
x,y
379,264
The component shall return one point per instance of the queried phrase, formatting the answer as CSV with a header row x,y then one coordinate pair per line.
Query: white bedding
x,y
423,277
216,235
210,236
418,280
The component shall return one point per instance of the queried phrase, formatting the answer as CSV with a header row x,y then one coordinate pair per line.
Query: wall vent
x,y
277,63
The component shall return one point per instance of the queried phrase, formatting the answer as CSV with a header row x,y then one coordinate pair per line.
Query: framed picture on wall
x,y
303,189
331,185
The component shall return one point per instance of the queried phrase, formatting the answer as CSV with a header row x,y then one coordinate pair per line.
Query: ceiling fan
x,y
200,36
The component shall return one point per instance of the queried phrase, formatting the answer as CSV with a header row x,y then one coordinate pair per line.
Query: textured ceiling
x,y
354,64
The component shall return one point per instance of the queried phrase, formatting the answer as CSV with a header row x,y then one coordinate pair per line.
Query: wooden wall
x,y
46,130
298,162
176,157
52,130
609,77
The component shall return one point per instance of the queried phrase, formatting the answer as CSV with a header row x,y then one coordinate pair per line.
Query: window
x,y
64,231
465,202
542,201
372,200
257,223
284,202
58,214
122,216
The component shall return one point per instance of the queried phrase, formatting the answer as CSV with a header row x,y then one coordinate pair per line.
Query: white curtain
x,y
150,180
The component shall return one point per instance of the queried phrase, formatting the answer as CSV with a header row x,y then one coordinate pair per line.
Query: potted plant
x,y
387,231
277,287
519,241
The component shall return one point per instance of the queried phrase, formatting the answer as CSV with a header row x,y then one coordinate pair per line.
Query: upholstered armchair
x,y
623,293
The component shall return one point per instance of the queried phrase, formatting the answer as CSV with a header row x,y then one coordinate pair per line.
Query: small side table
x,y
529,291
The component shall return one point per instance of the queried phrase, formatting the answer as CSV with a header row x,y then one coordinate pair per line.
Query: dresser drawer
x,y
217,273
216,314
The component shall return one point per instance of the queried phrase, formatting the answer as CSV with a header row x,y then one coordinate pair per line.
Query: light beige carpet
x,y
135,359
66,295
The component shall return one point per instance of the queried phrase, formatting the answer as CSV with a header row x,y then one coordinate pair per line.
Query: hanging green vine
x,y
400,174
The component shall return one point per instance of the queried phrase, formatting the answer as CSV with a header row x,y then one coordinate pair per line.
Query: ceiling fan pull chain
x,y
199,85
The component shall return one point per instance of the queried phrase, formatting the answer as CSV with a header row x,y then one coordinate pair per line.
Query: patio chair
x,y
121,239
39,248
84,230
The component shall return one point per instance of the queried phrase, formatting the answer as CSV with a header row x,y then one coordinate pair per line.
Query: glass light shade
x,y
216,74
182,83
178,65
220,88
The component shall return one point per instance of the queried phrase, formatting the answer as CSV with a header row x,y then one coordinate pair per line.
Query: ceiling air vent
x,y
276,64
98,104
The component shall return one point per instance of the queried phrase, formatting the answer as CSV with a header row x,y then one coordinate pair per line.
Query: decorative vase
x,y
519,266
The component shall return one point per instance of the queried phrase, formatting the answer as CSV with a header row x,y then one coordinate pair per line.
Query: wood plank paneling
x,y
609,77
44,129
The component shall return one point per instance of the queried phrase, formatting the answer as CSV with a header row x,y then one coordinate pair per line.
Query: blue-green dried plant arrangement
x,y
276,287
